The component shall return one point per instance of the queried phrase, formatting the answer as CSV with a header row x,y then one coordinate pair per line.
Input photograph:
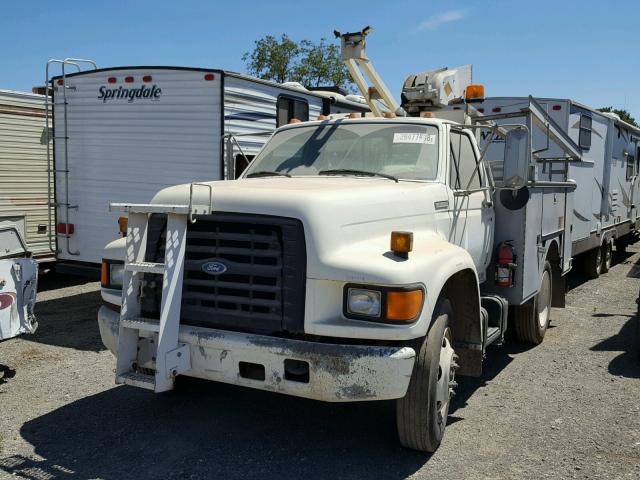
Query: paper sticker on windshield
x,y
414,137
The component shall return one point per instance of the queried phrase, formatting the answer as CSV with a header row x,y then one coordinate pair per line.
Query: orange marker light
x,y
123,224
404,306
104,273
402,243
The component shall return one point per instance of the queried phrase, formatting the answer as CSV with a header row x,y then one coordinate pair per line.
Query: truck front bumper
x,y
336,372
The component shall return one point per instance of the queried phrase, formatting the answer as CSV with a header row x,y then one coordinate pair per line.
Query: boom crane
x,y
354,56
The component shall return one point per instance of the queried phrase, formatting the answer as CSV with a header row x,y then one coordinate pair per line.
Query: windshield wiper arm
x,y
349,171
265,173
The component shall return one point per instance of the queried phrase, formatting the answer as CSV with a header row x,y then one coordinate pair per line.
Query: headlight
x,y
116,274
112,274
364,302
386,304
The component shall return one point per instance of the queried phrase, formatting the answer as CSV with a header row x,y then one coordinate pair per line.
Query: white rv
x,y
605,210
24,196
129,131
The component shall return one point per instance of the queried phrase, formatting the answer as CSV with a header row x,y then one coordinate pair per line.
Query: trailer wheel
x,y
592,263
607,254
531,320
421,416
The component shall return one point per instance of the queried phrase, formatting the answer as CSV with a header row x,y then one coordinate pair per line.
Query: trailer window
x,y
631,166
290,107
464,172
584,139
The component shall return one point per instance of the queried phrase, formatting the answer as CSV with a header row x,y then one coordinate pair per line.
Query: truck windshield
x,y
402,150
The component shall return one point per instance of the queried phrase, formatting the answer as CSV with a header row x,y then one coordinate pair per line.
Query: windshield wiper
x,y
265,173
349,171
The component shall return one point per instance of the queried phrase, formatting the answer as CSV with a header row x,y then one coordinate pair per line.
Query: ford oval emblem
x,y
214,268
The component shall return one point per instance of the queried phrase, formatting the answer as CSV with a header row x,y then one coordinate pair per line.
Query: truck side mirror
x,y
516,158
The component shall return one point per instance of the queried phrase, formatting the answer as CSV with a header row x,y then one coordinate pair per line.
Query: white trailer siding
x,y
23,168
604,194
122,150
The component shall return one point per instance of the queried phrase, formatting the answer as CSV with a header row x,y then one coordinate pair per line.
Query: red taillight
x,y
209,77
128,79
505,265
557,107
60,81
112,79
66,228
147,78
481,110
496,109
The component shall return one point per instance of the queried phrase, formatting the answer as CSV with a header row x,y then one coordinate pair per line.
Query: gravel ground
x,y
569,408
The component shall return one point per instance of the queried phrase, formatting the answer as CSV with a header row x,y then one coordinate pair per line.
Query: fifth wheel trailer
x,y
24,195
129,131
607,196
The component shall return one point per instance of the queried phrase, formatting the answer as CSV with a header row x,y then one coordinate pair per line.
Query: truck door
x,y
471,211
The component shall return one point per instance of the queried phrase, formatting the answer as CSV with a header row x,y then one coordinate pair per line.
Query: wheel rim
x,y
599,260
544,299
446,377
607,256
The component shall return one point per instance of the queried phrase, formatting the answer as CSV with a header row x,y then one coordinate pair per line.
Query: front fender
x,y
432,263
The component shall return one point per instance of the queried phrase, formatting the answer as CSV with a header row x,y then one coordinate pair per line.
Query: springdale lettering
x,y
130,94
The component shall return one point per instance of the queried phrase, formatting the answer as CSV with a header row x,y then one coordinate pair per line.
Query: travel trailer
x,y
605,207
129,131
24,194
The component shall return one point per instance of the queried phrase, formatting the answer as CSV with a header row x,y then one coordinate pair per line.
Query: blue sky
x,y
578,49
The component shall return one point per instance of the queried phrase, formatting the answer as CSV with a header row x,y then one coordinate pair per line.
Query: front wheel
x,y
532,318
421,414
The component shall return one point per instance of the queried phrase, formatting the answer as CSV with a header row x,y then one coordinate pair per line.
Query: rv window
x,y
631,164
289,107
585,132
463,173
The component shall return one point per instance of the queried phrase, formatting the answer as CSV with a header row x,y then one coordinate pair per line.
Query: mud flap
x,y
18,286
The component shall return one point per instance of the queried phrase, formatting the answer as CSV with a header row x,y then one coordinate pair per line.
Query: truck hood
x,y
337,213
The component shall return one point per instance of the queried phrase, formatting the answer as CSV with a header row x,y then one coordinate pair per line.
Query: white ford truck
x,y
355,259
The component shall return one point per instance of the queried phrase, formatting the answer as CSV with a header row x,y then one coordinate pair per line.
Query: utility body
x,y
355,259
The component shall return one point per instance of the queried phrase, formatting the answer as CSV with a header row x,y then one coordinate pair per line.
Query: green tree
x,y
623,114
310,63
272,59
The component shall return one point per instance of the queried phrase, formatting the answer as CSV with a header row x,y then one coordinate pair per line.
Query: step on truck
x,y
355,259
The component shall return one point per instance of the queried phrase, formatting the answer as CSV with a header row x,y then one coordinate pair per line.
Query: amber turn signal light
x,y
104,273
123,224
402,243
404,306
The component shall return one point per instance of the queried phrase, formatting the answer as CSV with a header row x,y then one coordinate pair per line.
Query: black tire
x,y
421,419
592,263
607,256
531,320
